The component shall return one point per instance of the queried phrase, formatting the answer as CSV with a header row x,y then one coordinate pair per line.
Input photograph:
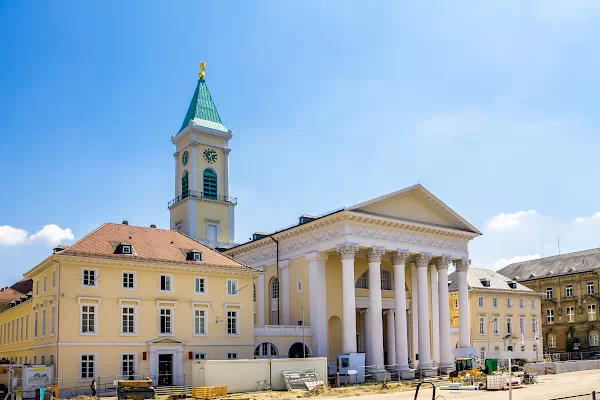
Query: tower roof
x,y
202,110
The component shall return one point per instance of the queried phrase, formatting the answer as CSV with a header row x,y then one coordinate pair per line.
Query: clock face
x,y
185,157
210,156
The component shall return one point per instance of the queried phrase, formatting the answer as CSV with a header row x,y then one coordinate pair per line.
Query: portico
x,y
370,278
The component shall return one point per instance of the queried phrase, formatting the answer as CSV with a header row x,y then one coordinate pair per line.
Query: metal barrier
x,y
585,396
579,355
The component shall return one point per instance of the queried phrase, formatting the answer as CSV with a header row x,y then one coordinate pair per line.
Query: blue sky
x,y
492,107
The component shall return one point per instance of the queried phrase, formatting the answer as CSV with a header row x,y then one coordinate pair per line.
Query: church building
x,y
372,277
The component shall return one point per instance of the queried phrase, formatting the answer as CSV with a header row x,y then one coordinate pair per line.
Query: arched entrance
x,y
296,351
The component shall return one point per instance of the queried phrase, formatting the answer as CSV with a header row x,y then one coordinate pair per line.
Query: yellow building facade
x,y
499,309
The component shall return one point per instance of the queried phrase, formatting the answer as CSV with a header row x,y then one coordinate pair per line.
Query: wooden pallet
x,y
209,392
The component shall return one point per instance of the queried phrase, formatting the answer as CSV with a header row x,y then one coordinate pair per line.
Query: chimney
x,y
153,226
125,222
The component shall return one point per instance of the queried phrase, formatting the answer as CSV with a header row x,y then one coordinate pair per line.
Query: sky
x,y
492,107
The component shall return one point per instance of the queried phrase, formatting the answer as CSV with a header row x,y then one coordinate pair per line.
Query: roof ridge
x,y
223,254
556,256
86,236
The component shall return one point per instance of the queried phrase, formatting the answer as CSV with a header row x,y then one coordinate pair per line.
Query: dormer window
x,y
123,248
194,255
485,282
126,249
512,285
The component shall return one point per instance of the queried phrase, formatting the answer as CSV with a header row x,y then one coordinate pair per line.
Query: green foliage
x,y
572,338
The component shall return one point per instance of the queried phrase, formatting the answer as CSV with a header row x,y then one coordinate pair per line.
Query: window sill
x,y
128,288
232,335
200,335
88,333
89,287
203,293
166,334
233,295
165,291
128,334
86,380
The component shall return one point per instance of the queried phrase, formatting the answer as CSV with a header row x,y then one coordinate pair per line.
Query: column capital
x,y
399,257
193,143
390,311
283,264
442,262
462,265
364,311
316,256
347,251
423,260
375,254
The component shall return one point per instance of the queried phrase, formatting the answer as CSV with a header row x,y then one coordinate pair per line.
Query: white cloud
x,y
52,235
597,215
49,235
511,220
580,219
503,262
10,236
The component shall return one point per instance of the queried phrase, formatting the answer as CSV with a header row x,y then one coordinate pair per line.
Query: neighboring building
x,y
498,307
569,283
131,301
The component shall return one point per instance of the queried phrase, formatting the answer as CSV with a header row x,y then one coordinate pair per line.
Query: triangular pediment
x,y
415,204
166,340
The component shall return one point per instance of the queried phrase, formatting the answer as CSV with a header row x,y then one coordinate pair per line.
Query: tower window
x,y
210,184
184,185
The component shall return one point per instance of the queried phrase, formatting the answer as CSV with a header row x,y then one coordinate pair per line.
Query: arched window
x,y
386,280
209,188
266,350
184,185
274,290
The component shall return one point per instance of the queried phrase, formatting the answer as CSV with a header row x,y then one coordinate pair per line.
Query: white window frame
x,y
549,316
129,303
521,303
95,367
549,293
494,302
126,246
590,288
233,355
508,302
533,323
237,287
197,257
533,304
196,279
53,278
218,225
236,309
199,355
95,270
593,312
26,327
52,320
205,307
496,324
509,324
172,315
569,291
87,301
552,341
299,286
480,301
570,315
35,323
37,287
123,280
135,369
482,323
45,283
170,276
44,322
595,342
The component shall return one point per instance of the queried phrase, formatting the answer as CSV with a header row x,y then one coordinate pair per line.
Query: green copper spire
x,y
202,110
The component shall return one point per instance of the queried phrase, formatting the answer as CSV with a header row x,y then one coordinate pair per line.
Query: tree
x,y
572,338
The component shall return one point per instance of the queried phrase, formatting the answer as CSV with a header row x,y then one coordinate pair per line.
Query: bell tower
x,y
202,207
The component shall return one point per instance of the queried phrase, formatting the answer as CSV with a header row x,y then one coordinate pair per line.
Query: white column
x,y
435,313
153,366
367,325
391,338
446,359
285,291
318,301
462,267
176,157
374,258
414,313
423,295
178,368
398,260
260,293
193,166
347,252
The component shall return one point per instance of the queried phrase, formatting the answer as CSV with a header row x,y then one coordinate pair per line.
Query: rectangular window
x,y
233,356
37,288
570,314
200,322
232,323
53,279
45,284
480,301
569,291
22,329
200,356
455,303
35,324
212,232
495,302
299,322
590,288
549,316
548,293
496,325
165,283
508,302
591,312
27,327
509,330
88,367
594,340
386,280
533,323
128,365
128,320
552,341
89,278
128,280
52,319
533,304
43,360
166,321
232,285
521,324
34,360
299,286
482,325
88,319
17,323
200,286
521,303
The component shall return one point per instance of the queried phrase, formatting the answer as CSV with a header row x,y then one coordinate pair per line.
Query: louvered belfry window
x,y
210,184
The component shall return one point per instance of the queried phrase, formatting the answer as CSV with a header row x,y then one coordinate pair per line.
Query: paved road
x,y
549,387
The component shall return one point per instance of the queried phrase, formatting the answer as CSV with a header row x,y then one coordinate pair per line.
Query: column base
x,y
446,370
427,372
407,374
379,373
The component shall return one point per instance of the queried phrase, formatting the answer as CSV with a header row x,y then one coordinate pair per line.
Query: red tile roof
x,y
9,294
150,244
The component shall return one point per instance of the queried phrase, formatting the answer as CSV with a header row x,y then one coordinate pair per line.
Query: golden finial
x,y
202,69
